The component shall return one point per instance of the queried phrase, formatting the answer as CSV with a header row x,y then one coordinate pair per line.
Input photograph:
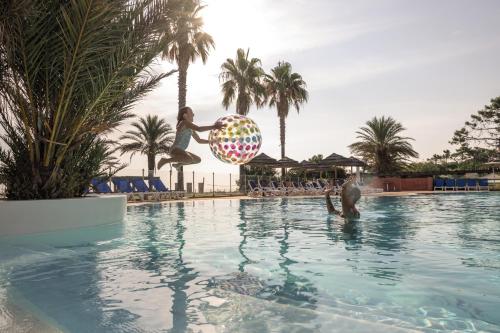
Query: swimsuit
x,y
182,138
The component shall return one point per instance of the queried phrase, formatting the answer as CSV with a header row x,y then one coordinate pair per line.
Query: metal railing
x,y
213,184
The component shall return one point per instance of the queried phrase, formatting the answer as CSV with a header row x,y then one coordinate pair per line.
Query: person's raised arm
x,y
198,139
329,204
197,128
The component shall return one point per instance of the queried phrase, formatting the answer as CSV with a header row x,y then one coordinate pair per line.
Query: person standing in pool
x,y
349,195
185,130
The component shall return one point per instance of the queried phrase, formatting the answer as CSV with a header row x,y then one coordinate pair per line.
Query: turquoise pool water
x,y
427,263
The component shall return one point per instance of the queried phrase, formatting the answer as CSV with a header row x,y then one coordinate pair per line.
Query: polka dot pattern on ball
x,y
238,142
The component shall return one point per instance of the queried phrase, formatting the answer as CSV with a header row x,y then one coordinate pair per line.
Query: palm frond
x,y
241,80
70,73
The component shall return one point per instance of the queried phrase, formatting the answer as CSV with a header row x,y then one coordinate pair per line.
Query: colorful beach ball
x,y
237,142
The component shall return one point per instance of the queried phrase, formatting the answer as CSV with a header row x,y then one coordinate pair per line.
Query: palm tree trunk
x,y
182,83
242,179
240,109
151,166
282,141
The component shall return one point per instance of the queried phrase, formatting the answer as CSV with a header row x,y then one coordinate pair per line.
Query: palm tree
x,y
151,136
242,80
189,42
381,145
285,88
436,158
69,73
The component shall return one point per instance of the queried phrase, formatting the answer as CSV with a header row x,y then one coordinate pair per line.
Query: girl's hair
x,y
180,115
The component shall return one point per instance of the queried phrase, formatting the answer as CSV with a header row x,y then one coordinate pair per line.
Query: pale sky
x,y
429,64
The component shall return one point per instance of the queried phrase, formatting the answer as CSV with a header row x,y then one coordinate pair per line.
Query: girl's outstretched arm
x,y
197,128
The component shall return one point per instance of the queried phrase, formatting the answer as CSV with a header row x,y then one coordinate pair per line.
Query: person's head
x,y
185,113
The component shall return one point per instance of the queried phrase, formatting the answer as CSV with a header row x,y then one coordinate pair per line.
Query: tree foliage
x,y
264,171
69,73
184,27
150,136
381,145
242,80
284,88
481,134
478,142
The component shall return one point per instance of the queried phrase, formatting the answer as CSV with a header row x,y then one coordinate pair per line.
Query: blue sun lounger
x,y
439,184
298,188
100,186
483,185
254,189
123,186
278,187
449,184
267,188
460,185
157,185
139,186
471,185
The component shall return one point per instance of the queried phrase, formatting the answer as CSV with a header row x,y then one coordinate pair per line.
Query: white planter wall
x,y
40,216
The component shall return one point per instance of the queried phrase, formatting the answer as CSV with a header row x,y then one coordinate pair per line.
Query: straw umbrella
x,y
335,160
287,162
263,160
312,166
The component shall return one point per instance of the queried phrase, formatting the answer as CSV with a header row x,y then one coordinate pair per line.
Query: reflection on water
x,y
421,262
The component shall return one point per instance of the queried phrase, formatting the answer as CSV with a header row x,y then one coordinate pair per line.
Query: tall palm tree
x,y
189,42
381,145
285,88
242,80
151,136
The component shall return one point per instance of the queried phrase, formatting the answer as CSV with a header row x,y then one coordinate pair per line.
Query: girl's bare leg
x,y
179,157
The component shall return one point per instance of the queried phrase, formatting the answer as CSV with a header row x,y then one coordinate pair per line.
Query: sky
x,y
428,64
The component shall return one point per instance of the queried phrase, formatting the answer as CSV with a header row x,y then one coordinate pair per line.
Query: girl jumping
x,y
185,129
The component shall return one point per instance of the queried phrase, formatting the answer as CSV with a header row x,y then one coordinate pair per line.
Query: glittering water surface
x,y
426,263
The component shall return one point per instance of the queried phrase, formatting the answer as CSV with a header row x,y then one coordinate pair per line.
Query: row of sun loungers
x,y
279,188
461,185
136,189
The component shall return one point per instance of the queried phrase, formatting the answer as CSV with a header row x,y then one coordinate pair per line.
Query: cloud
x,y
366,68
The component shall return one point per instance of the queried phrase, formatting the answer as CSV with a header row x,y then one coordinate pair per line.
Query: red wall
x,y
403,184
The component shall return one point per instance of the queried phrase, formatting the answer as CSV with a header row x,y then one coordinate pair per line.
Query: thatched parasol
x,y
307,165
263,160
356,162
335,160
287,162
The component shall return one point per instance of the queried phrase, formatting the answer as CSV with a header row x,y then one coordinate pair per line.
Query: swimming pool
x,y
426,263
